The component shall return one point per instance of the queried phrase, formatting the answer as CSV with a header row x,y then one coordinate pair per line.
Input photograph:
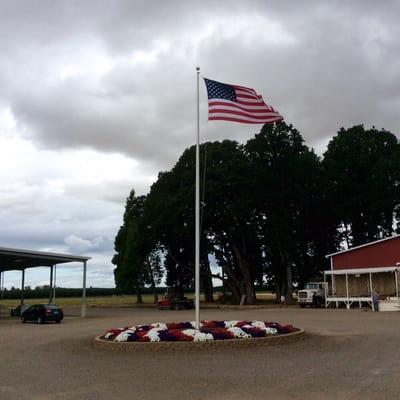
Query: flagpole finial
x,y
197,68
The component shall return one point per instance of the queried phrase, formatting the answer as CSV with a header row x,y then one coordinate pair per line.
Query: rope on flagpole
x,y
203,192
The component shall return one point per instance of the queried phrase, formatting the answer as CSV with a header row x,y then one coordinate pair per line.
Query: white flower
x,y
194,324
259,324
271,331
190,332
202,337
230,324
239,333
197,335
266,329
152,334
123,336
159,325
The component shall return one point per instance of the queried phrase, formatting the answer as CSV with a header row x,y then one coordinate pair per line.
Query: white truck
x,y
312,295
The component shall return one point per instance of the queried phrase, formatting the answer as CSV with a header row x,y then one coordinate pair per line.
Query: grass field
x,y
109,301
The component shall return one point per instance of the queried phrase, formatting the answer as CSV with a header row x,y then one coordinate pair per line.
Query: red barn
x,y
357,271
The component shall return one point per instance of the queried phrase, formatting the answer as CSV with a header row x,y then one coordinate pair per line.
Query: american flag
x,y
238,104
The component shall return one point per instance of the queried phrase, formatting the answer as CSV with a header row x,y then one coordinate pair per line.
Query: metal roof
x,y
362,245
20,259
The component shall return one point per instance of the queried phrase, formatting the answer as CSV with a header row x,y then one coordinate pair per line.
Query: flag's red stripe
x,y
244,88
246,96
250,103
241,110
243,120
244,114
256,100
244,93
252,108
265,111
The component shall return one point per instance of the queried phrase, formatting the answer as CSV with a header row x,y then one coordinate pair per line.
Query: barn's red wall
x,y
381,254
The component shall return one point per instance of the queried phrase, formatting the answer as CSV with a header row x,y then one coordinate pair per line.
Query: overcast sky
x,y
97,97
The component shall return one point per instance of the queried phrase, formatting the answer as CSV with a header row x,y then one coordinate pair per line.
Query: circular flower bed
x,y
209,330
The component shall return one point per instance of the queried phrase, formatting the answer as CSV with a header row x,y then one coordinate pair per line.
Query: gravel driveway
x,y
345,355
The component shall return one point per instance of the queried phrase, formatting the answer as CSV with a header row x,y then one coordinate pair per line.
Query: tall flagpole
x,y
197,234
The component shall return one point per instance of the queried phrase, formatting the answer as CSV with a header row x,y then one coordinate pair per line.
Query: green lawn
x,y
99,301
121,300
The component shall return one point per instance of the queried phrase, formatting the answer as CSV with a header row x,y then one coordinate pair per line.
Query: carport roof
x,y
20,259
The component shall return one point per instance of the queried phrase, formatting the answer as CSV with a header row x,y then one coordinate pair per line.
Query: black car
x,y
41,313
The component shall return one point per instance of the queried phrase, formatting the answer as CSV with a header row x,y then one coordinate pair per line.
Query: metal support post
x,y
347,292
54,284
51,285
83,304
22,287
1,287
333,279
370,291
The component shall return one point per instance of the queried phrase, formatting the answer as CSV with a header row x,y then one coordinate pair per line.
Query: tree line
x,y
42,292
271,210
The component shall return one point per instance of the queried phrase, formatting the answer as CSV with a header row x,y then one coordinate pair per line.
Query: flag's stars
x,y
217,90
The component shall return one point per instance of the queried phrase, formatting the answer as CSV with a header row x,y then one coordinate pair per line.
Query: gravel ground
x,y
344,355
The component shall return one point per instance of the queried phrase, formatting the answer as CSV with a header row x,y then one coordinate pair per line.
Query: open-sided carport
x,y
20,260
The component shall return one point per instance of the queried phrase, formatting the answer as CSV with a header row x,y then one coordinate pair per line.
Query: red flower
x,y
254,332
218,333
173,325
180,336
142,336
242,323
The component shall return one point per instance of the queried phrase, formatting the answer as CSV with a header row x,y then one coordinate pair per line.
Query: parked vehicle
x,y
312,295
173,303
41,313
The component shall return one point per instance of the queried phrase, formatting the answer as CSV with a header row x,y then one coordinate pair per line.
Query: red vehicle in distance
x,y
170,302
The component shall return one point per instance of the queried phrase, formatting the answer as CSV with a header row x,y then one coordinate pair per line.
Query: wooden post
x,y
347,292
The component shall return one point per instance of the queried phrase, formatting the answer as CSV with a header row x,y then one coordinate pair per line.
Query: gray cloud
x,y
322,65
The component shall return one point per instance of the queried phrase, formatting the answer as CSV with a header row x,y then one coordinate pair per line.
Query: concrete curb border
x,y
100,343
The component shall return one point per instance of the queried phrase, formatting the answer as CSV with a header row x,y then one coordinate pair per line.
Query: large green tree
x,y
362,172
228,218
287,193
136,259
169,213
